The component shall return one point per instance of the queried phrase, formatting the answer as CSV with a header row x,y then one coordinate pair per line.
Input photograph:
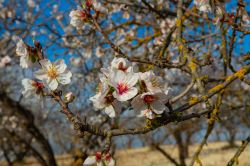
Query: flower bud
x,y
69,97
89,3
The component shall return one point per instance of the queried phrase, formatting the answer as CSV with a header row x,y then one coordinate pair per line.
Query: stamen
x,y
122,67
98,156
148,99
122,88
52,73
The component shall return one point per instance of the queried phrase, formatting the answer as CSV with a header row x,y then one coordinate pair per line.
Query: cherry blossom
x,y
31,3
22,51
104,99
53,73
151,82
99,7
124,84
118,64
121,64
32,88
150,104
203,5
100,159
78,18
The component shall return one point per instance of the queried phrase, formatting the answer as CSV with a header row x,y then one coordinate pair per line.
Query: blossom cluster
x,y
50,74
80,16
100,159
119,83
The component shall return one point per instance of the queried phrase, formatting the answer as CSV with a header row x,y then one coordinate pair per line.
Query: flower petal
x,y
138,104
90,160
41,74
111,162
132,79
64,78
110,111
99,164
60,66
24,62
126,96
158,107
45,63
21,48
52,83
149,114
99,101
117,76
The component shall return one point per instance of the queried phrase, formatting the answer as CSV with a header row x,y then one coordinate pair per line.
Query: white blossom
x,y
53,73
152,82
124,84
99,7
100,160
203,5
31,3
104,100
69,97
150,104
77,18
31,88
118,64
22,51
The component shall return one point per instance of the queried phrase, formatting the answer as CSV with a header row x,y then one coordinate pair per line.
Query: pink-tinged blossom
x,y
53,73
77,18
151,82
123,84
104,99
99,7
203,5
121,64
22,51
150,104
5,61
100,160
32,88
69,97
117,64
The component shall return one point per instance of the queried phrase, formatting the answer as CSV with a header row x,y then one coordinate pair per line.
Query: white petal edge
x,y
110,111
89,161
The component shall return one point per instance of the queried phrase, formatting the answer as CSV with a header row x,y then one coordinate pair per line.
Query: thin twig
x,y
234,160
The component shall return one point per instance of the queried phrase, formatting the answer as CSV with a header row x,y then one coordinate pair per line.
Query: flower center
x,y
108,157
83,15
89,3
98,156
52,73
38,85
148,99
122,88
122,67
